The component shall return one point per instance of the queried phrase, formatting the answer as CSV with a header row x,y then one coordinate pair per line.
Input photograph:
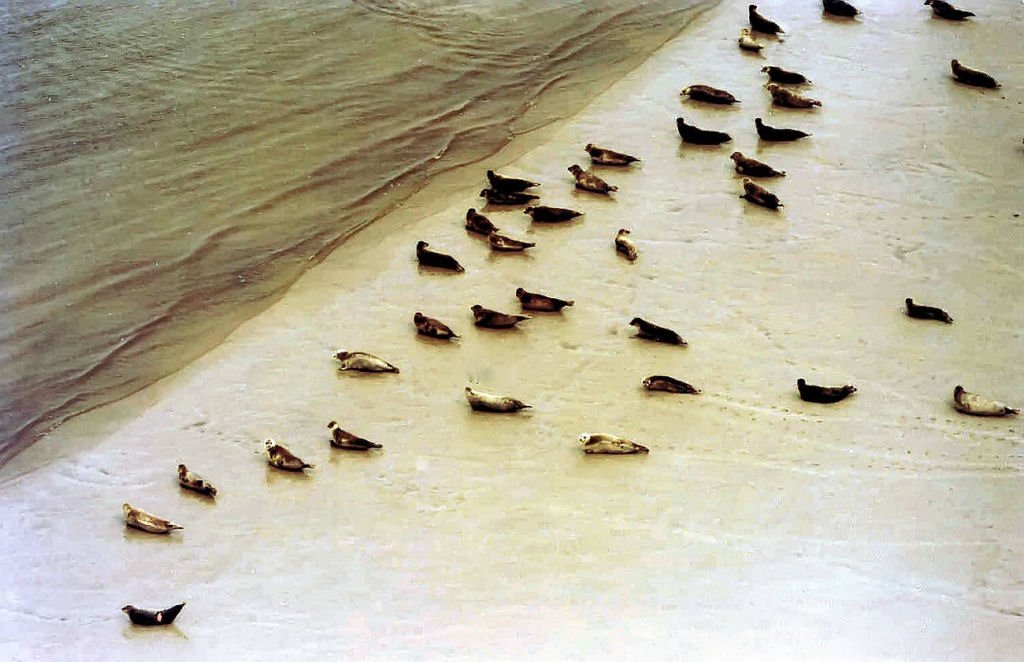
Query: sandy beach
x,y
887,526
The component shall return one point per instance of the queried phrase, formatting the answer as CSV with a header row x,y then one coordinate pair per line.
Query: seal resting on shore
x,y
748,166
363,362
943,9
148,617
429,258
669,385
973,77
430,327
588,181
140,519
508,184
543,214
780,75
759,195
709,94
927,312
608,157
771,133
760,23
478,223
624,245
747,41
823,394
193,481
280,457
481,401
541,302
789,99
347,441
698,136
649,331
610,444
492,319
975,405
500,242
839,8
507,199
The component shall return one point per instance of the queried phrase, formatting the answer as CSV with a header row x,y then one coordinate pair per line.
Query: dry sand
x,y
759,527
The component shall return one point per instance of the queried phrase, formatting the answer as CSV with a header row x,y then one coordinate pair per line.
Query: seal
x,y
588,181
608,157
943,9
541,302
760,23
507,199
839,8
193,481
789,99
140,519
500,242
649,331
698,136
280,457
542,214
363,362
823,394
709,94
508,184
148,617
780,75
610,444
478,223
759,195
927,312
973,77
747,41
429,258
492,319
503,404
432,328
773,134
625,245
748,166
975,405
347,441
669,385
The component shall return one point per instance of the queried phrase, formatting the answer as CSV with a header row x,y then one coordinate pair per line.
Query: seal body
x,y
543,214
492,319
429,258
363,362
500,242
608,157
975,405
508,184
140,519
790,99
698,136
748,166
973,77
839,8
541,302
760,23
478,223
649,331
588,181
625,246
507,198
432,328
149,617
747,41
823,394
348,441
280,457
943,9
481,401
759,195
610,444
927,312
193,481
780,75
709,94
773,134
669,385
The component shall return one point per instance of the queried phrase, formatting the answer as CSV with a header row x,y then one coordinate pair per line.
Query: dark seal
x,y
649,331
543,214
774,134
429,258
823,394
759,195
148,617
508,184
943,9
669,385
430,327
608,157
780,75
492,319
478,223
348,441
541,302
507,199
709,94
839,8
748,166
760,23
698,136
970,76
927,312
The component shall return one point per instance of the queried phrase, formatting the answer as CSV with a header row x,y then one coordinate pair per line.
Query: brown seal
x,y
478,223
610,444
927,312
649,331
771,133
541,302
280,457
588,181
429,258
943,9
669,385
788,98
709,94
348,441
481,401
697,136
759,195
543,214
363,362
823,394
193,481
625,245
148,522
608,157
428,326
508,199
492,319
500,242
780,75
973,77
748,166
839,8
760,23
508,184
150,617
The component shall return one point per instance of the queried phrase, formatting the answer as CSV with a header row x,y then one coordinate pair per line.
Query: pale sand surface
x,y
759,527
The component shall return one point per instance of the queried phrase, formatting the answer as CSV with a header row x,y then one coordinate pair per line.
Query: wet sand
x,y
885,527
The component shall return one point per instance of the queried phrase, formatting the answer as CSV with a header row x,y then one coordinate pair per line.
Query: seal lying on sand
x,y
430,327
348,441
429,258
789,99
508,184
478,223
748,166
649,331
975,405
500,242
542,302
771,133
147,617
193,481
972,76
839,8
927,312
760,23
280,457
481,401
709,94
363,362
588,181
698,136
747,41
608,157
759,195
823,394
492,319
943,9
610,444
669,385
625,245
780,75
509,199
542,214
140,519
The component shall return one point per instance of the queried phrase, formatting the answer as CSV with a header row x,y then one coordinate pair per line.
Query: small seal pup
x,y
649,331
759,195
508,199
348,441
140,519
508,184
481,401
363,362
588,181
789,99
973,77
610,444
697,136
760,23
624,245
500,242
429,258
747,41
669,385
748,166
541,302
492,319
193,481
975,405
280,457
823,394
148,617
943,9
608,157
839,8
773,134
780,75
543,214
709,94
432,328
927,312
478,223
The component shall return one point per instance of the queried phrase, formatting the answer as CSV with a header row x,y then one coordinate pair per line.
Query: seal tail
x,y
168,615
570,302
